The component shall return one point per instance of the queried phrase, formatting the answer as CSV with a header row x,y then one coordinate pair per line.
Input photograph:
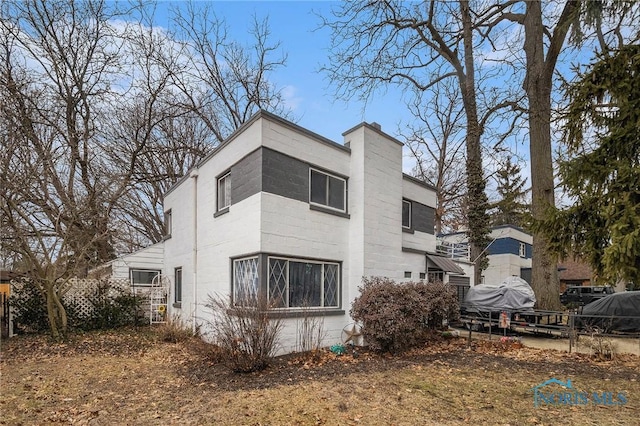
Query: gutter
x,y
194,175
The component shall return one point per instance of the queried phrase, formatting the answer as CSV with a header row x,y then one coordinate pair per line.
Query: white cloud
x,y
290,98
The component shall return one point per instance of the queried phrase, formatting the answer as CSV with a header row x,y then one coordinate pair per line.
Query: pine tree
x,y
603,174
511,208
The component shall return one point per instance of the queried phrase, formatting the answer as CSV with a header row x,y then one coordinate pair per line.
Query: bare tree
x,y
436,143
221,80
544,38
422,44
418,46
211,85
61,179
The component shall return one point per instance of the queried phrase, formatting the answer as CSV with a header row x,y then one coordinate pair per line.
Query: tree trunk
x,y
544,271
477,198
52,313
56,313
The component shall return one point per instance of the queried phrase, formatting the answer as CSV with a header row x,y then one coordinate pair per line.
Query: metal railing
x,y
557,325
453,250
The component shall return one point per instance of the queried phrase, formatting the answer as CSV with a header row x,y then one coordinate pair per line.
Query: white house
x,y
140,267
282,211
509,252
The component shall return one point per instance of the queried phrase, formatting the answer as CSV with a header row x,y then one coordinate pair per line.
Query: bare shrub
x,y
245,331
311,331
397,317
600,346
176,330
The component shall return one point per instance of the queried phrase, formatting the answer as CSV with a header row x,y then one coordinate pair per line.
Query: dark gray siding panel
x,y
246,177
284,175
422,217
509,246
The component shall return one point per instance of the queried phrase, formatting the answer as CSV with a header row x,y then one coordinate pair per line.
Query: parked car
x,y
583,295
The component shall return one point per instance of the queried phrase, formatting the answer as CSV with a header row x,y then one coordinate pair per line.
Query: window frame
x,y
327,190
168,224
227,191
323,263
404,201
177,289
257,278
132,270
522,250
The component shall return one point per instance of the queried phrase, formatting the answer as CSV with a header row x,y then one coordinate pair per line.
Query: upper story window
x,y
406,214
327,190
144,276
523,250
167,223
224,191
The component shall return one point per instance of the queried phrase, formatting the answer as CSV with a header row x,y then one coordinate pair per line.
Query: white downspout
x,y
194,176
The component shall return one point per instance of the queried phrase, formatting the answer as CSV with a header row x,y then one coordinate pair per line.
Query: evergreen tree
x,y
512,207
603,173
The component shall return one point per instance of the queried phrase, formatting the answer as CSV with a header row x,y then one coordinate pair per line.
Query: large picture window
x,y
224,191
295,283
327,190
143,277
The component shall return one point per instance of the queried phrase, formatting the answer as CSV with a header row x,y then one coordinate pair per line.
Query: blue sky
x,y
295,26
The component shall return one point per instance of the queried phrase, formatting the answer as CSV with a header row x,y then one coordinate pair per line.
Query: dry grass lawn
x,y
131,377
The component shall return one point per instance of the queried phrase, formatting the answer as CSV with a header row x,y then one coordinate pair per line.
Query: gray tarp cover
x,y
512,294
616,305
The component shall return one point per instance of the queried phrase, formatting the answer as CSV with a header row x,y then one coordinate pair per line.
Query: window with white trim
x,y
143,277
523,250
406,214
177,282
297,283
224,191
327,190
246,281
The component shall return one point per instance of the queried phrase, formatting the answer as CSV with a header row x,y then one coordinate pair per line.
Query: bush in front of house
x,y
399,316
245,331
111,307
96,304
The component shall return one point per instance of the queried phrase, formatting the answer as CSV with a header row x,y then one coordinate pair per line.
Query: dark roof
x,y
445,264
572,270
6,276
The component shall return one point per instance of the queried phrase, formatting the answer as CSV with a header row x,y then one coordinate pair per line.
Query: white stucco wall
x,y
502,266
367,243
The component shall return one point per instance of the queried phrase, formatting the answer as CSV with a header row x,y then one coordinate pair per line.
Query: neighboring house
x,y
574,273
6,319
140,267
509,252
5,281
281,211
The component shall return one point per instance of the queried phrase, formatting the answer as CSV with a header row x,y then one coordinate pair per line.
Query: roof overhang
x,y
444,263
